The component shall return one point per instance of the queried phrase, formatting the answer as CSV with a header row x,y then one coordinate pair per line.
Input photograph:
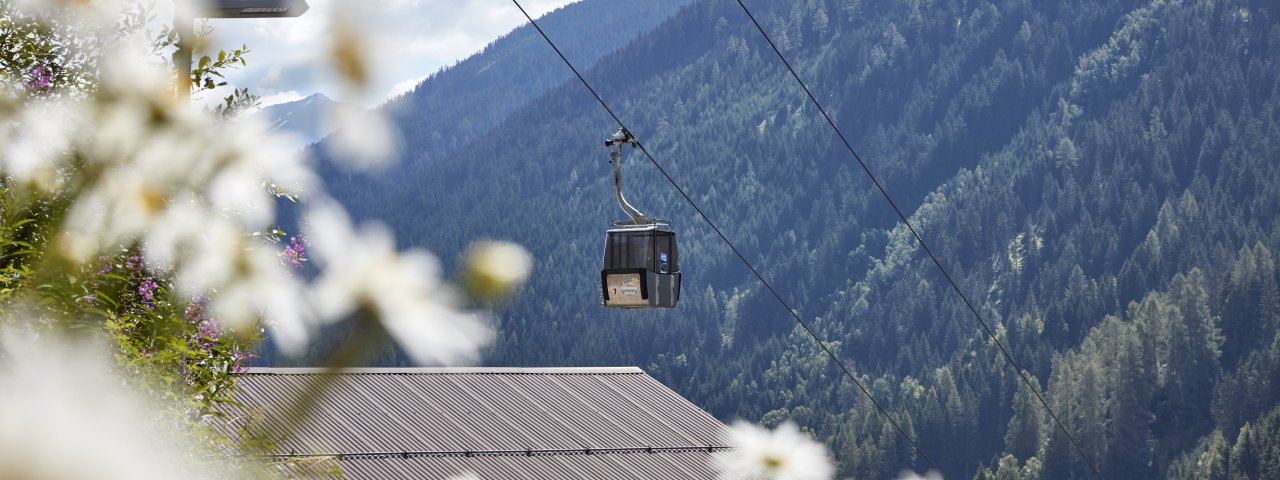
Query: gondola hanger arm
x,y
617,140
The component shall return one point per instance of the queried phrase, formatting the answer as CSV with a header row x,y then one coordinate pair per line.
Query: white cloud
x,y
277,98
273,74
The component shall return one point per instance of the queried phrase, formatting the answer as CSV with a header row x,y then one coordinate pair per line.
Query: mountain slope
x,y
1098,177
464,102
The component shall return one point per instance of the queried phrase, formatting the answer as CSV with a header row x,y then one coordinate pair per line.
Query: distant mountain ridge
x,y
304,119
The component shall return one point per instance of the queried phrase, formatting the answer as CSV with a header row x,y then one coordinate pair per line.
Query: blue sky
x,y
413,38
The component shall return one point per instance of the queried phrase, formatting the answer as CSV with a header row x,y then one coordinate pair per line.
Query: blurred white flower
x,y
252,164
38,140
263,290
211,255
362,270
349,48
122,204
364,138
65,415
95,15
493,270
202,246
141,151
429,329
351,259
238,192
782,454
120,129
191,190
77,247
273,153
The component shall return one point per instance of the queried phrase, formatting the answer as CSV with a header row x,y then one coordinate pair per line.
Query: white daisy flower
x,y
363,137
494,269
781,454
263,290
366,139
362,270
59,400
38,141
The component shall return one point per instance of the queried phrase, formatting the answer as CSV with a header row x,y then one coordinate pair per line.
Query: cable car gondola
x,y
641,261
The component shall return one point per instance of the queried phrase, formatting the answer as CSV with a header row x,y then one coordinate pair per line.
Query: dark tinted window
x,y
642,249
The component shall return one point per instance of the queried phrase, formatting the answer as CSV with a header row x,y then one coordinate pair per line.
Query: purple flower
x,y
104,265
133,263
208,329
195,311
296,252
41,80
206,335
238,360
148,292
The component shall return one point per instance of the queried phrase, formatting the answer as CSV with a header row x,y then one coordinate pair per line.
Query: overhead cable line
x,y
848,373
923,245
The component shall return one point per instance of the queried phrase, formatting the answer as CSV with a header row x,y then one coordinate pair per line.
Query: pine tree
x,y
1022,439
1244,455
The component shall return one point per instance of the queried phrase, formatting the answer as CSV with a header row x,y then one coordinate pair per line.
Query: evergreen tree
x,y
1022,438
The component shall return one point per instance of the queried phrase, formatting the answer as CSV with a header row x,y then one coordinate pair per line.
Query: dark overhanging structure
x,y
254,8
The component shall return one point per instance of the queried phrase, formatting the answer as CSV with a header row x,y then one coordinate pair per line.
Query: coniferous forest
x,y
1101,178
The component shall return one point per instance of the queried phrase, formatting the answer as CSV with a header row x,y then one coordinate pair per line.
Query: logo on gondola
x,y
630,286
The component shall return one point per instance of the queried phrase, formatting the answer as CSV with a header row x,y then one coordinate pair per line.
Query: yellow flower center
x,y
152,199
771,462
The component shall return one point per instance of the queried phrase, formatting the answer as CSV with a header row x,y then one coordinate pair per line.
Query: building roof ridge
x,y
531,452
445,371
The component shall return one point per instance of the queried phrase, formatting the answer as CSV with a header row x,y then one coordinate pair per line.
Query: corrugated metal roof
x,y
496,422
664,465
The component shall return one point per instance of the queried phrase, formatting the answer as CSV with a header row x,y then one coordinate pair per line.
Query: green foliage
x,y
1007,468
207,74
168,344
28,45
1255,453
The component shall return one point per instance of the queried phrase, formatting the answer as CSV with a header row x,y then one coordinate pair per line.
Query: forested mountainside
x,y
1100,177
464,102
